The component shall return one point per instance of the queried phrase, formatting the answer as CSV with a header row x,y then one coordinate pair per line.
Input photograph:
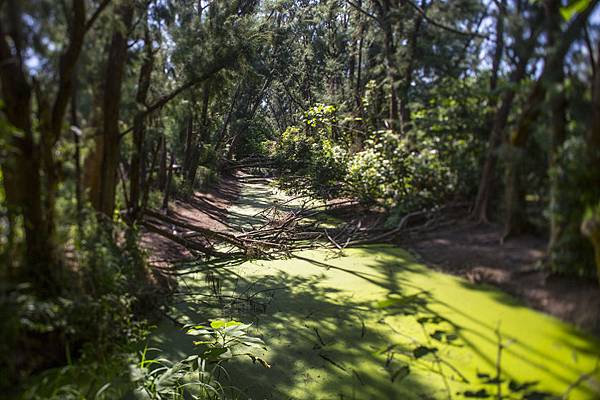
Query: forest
x,y
299,199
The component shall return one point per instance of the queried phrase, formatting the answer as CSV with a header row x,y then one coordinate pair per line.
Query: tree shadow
x,y
371,323
535,347
323,342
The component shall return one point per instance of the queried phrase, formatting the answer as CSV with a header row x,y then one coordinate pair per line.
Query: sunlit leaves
x,y
574,7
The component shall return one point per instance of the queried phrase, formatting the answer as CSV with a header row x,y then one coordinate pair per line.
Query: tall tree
x,y
102,165
31,174
515,218
139,128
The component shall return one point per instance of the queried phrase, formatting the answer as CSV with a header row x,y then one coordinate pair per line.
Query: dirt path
x,y
207,209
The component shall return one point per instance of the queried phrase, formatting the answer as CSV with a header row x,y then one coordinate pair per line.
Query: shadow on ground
x,y
371,323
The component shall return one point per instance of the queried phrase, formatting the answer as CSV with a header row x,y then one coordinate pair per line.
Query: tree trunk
x,y
102,178
499,49
405,116
167,193
515,219
203,137
77,158
21,170
189,144
149,180
139,127
558,104
590,226
487,181
395,118
162,165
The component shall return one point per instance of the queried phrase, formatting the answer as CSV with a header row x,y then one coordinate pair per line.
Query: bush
x,y
103,301
398,173
313,151
435,160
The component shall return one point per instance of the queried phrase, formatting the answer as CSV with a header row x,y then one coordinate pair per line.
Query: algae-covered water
x,y
371,323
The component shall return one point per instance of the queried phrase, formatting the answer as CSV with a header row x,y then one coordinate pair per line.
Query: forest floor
x,y
208,209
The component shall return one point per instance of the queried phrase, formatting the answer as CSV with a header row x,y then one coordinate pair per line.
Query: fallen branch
x,y
188,244
225,237
387,235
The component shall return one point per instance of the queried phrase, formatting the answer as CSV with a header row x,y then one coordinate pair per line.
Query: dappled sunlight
x,y
371,322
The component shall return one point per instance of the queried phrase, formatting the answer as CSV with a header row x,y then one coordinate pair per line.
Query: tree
x,y
103,163
31,174
515,219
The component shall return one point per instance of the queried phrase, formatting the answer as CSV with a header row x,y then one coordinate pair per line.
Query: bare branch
x,y
96,14
363,11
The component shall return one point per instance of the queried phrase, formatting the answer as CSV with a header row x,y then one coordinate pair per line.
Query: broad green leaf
x,y
196,332
217,324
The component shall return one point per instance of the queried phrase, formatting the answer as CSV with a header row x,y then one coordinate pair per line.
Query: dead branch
x,y
188,244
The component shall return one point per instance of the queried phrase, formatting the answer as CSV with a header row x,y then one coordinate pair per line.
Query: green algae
x,y
372,323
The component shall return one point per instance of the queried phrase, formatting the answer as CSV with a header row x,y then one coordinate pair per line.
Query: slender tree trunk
x,y
102,179
52,129
162,165
149,179
21,170
203,137
395,117
189,143
488,183
499,48
558,104
139,127
410,63
167,193
77,158
358,88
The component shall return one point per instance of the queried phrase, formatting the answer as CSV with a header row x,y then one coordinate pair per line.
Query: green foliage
x,y
434,161
314,151
103,301
399,173
91,377
574,7
197,374
121,373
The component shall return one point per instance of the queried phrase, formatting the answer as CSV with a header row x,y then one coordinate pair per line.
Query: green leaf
x,y
191,358
197,332
217,324
216,354
573,8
